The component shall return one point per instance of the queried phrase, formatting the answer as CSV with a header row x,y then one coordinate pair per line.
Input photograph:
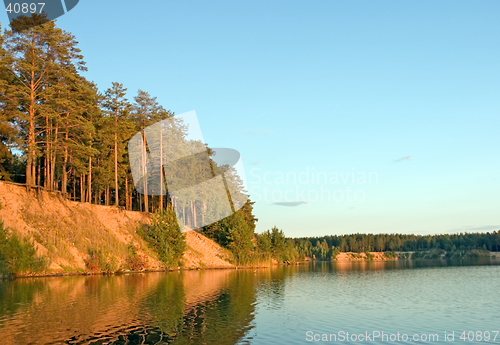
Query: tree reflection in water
x,y
191,307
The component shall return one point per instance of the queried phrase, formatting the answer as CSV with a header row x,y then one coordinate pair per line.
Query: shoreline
x,y
494,256
168,270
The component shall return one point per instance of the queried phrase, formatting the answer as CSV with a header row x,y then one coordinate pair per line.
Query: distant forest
x,y
324,247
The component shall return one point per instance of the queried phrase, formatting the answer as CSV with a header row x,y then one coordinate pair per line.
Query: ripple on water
x,y
268,306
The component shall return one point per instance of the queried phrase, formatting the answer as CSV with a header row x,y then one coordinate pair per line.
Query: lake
x,y
348,303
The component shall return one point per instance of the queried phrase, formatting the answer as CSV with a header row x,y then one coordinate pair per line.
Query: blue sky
x,y
407,91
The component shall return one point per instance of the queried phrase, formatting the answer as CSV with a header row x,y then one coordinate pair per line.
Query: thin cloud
x,y
291,203
403,159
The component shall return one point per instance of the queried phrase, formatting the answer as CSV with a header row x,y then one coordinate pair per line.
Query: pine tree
x,y
145,112
40,54
7,131
117,108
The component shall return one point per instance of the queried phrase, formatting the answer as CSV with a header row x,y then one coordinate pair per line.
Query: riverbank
x,y
416,255
82,238
372,256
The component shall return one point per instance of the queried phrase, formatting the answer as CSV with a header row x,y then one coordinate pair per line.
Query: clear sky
x,y
402,95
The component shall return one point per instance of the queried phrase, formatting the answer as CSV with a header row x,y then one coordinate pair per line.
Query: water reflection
x,y
224,306
191,307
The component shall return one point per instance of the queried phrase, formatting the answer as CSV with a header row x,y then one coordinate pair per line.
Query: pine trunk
x,y
116,166
82,194
89,181
52,162
162,185
30,161
38,175
65,166
126,192
194,215
144,173
46,156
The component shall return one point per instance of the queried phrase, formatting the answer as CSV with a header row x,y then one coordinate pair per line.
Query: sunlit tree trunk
x,y
126,192
89,181
30,161
161,167
82,186
144,173
116,158
64,168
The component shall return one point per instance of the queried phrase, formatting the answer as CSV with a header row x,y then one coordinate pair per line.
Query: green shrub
x,y
100,261
18,255
110,264
165,237
135,261
273,244
93,261
240,239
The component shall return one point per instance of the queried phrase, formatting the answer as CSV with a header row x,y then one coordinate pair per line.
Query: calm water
x,y
281,305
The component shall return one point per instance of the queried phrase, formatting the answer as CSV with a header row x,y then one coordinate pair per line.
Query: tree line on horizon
x,y
324,247
282,248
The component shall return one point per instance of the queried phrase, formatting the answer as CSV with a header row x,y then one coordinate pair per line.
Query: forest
x,y
57,130
323,247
